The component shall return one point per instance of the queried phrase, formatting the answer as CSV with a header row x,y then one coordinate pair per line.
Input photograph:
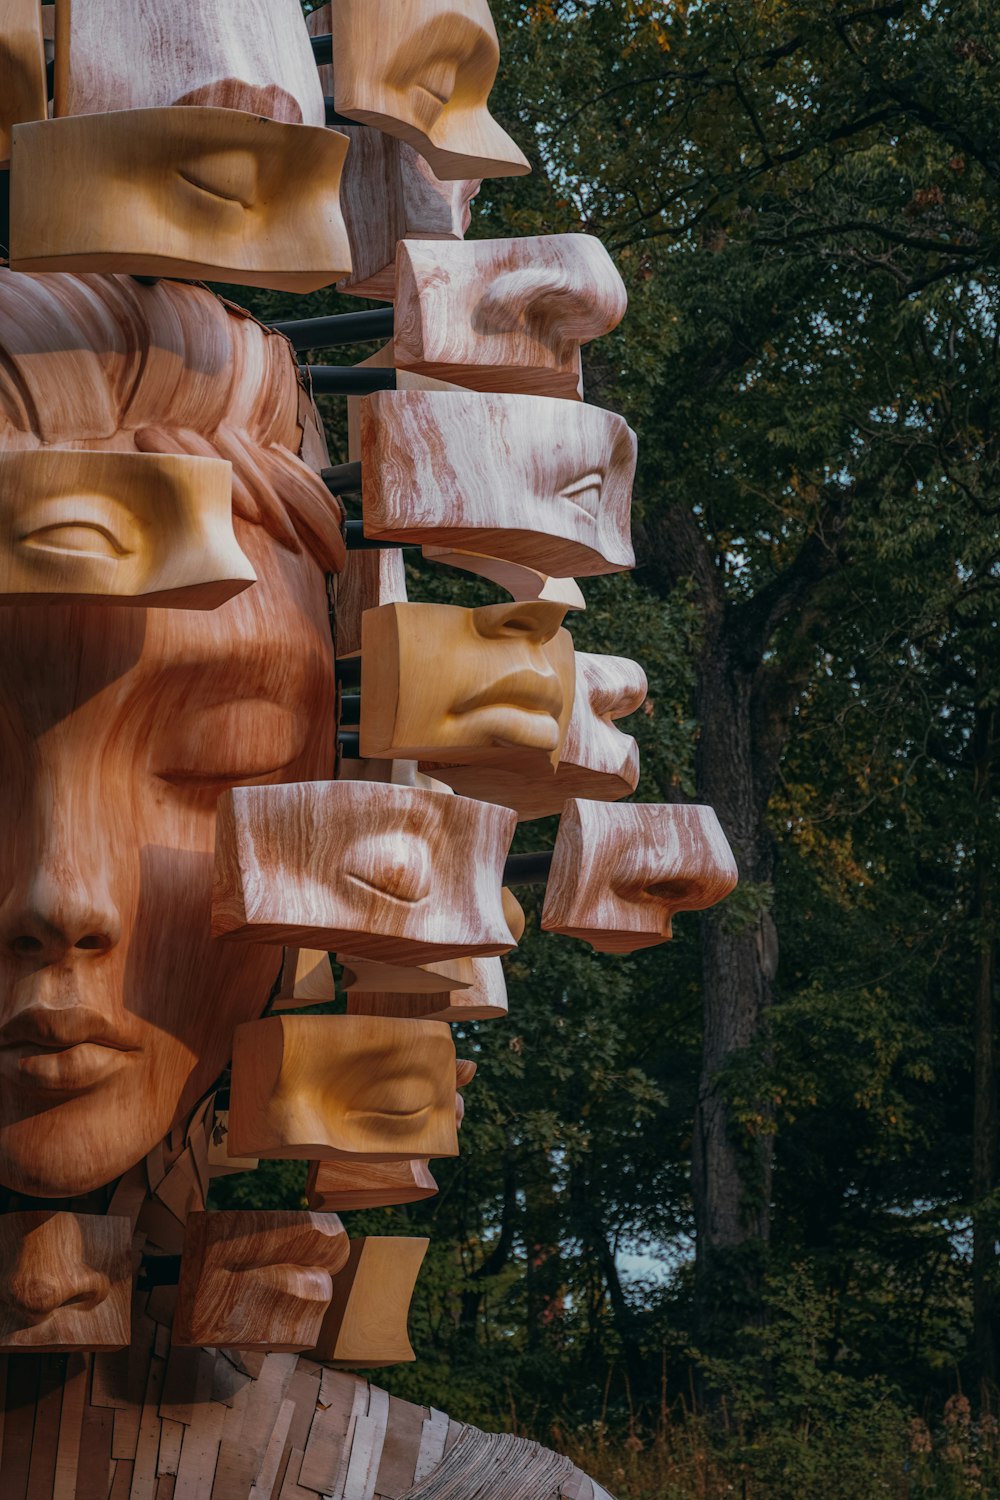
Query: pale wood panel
x,y
598,762
424,72
484,1000
352,1087
540,483
306,978
118,528
433,979
621,871
460,685
394,873
366,1324
212,194
23,92
519,582
66,1281
250,55
345,1186
257,1280
505,315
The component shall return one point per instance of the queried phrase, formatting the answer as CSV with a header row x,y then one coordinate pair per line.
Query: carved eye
x,y
84,526
395,866
81,539
585,493
231,742
230,176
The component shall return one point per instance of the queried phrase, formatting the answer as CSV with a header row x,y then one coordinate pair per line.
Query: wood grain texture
x,y
398,874
306,978
65,1281
484,1000
519,582
352,1087
598,762
449,684
23,91
257,1280
365,1326
428,979
424,72
505,315
542,484
214,194
621,871
124,724
219,1161
118,528
250,55
345,1186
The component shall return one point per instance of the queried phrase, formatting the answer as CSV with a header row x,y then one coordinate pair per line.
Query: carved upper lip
x,y
54,1029
526,691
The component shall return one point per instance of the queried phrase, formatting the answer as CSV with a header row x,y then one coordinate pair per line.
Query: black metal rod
x,y
343,479
348,380
333,119
323,49
345,328
528,869
350,708
159,1270
349,671
354,536
350,746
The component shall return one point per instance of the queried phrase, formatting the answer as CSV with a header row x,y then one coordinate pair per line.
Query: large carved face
x,y
119,729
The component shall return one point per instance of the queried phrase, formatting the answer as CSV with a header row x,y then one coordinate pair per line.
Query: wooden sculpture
x,y
65,1282
350,1087
484,1000
306,979
505,315
429,979
424,72
365,1325
524,585
597,761
249,55
198,192
118,528
621,871
533,482
509,685
394,873
353,1186
23,92
257,1280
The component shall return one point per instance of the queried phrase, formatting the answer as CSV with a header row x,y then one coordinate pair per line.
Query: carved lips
x,y
62,1051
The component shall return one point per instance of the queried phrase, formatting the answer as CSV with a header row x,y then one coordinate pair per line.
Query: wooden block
x,y
598,762
429,979
504,315
514,913
220,1163
95,1455
148,1445
225,196
257,1280
199,1453
508,685
484,1000
621,871
521,583
118,528
397,1471
251,55
267,1474
423,72
547,486
66,1281
23,91
392,873
67,1459
365,1326
358,1088
350,1186
306,978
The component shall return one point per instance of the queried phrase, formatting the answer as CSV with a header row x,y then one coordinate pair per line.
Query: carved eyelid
x,y
585,485
85,512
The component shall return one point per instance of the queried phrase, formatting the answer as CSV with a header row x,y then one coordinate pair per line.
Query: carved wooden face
x,y
257,1280
118,527
65,1281
509,683
621,871
119,728
534,481
423,71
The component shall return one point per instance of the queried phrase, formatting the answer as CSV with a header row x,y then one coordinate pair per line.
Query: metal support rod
x,y
348,380
528,869
323,49
345,328
343,479
350,746
354,536
349,671
350,708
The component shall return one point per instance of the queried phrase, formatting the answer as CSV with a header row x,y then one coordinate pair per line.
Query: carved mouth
x,y
527,692
64,1051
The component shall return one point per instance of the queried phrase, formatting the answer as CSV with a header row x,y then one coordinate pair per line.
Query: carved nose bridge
x,y
59,902
534,620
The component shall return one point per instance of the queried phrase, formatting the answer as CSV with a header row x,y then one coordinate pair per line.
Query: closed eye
x,y
76,539
585,493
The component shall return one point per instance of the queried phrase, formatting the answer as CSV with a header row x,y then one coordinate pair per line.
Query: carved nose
x,y
56,920
35,1296
535,621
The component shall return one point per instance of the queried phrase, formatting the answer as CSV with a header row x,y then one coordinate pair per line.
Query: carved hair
x,y
108,362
